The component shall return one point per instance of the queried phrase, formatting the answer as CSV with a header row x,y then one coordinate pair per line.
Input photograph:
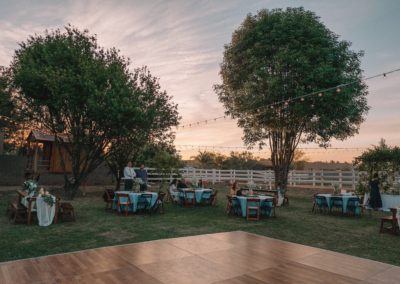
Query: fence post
x,y
340,179
213,176
293,176
234,174
322,178
353,179
313,177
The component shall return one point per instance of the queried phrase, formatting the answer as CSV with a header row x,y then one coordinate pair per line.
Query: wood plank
x,y
346,265
234,257
294,272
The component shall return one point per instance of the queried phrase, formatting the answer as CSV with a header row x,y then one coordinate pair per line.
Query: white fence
x,y
312,178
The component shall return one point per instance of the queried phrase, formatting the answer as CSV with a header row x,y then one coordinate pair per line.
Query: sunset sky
x,y
182,43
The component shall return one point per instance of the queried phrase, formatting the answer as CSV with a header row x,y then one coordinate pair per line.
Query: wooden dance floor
x,y
235,257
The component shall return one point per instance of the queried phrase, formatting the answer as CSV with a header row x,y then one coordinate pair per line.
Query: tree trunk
x,y
282,146
71,187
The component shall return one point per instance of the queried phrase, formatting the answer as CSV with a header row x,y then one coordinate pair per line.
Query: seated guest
x,y
234,190
182,184
173,190
172,185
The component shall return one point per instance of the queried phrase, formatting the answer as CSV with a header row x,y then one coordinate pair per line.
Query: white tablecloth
x,y
45,212
388,201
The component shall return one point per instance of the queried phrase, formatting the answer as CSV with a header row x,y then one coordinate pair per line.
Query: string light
x,y
319,93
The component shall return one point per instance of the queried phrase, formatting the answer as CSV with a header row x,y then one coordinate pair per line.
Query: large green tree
x,y
277,56
82,93
158,114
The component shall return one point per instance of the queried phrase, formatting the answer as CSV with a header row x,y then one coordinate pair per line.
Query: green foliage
x,y
236,160
165,160
158,115
381,159
280,55
70,85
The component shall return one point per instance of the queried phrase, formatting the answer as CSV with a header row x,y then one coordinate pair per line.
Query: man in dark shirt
x,y
142,173
182,184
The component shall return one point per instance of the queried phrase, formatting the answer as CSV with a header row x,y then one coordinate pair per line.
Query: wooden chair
x,y
321,203
16,213
31,202
189,198
213,197
144,202
233,206
336,203
267,207
253,206
108,197
206,198
353,206
67,212
159,205
392,221
123,201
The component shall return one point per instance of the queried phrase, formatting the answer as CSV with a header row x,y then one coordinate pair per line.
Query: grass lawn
x,y
94,227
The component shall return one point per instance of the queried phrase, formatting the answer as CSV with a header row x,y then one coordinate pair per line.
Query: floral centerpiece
x,y
46,196
31,187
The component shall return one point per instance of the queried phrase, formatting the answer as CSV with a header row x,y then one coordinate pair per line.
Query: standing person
x,y
375,200
142,173
129,175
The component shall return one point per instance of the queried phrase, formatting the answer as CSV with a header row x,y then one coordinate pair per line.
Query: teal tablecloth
x,y
134,198
199,193
345,201
243,203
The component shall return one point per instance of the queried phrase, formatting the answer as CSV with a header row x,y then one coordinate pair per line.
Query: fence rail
x,y
313,178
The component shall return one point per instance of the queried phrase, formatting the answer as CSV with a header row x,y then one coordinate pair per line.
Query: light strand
x,y
320,93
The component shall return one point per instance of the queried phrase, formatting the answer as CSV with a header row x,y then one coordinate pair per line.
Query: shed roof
x,y
40,136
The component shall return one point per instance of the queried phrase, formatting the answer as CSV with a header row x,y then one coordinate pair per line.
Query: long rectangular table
x,y
345,200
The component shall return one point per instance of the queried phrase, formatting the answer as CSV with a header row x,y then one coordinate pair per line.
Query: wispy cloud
x,y
182,42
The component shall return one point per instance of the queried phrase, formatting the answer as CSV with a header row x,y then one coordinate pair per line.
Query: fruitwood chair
x,y
392,221
67,212
189,198
108,197
123,201
267,207
353,206
233,206
144,202
321,203
213,197
253,207
336,203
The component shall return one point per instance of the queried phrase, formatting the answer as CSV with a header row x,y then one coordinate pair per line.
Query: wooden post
x,y
35,159
340,179
322,178
313,178
214,176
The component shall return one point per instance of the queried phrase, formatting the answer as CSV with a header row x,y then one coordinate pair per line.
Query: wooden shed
x,y
43,155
